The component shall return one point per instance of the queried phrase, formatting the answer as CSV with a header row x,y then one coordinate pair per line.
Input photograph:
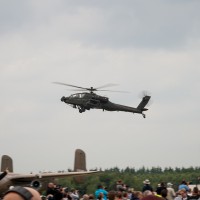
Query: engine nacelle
x,y
36,184
92,103
101,99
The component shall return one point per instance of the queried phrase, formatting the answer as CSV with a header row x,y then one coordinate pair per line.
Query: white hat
x,y
146,182
169,184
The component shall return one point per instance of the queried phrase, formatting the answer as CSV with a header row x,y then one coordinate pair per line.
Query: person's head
x,y
91,196
119,194
146,182
195,191
85,197
111,195
125,194
73,190
138,194
162,184
100,186
147,193
119,181
51,185
169,185
183,193
22,193
184,182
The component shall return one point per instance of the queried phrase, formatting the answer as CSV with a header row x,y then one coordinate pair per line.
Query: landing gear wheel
x,y
144,115
81,109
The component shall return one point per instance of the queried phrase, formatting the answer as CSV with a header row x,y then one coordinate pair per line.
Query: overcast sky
x,y
139,45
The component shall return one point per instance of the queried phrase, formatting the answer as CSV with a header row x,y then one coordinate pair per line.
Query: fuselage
x,y
94,101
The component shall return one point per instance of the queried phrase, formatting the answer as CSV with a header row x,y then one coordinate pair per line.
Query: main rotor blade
x,y
115,91
59,83
91,89
106,85
82,90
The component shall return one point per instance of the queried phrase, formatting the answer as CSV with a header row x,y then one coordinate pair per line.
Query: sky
x,y
139,45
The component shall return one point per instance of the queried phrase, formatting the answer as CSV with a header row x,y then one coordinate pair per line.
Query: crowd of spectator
x,y
122,192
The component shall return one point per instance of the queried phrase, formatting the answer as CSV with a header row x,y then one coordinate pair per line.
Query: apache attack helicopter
x,y
90,100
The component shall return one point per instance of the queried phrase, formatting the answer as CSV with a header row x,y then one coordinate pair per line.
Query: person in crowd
x,y
21,193
160,187
125,196
120,186
147,186
66,194
74,194
137,195
182,195
170,192
119,195
164,194
91,197
183,185
100,196
99,190
111,195
195,194
130,193
50,191
65,197
58,195
147,193
85,197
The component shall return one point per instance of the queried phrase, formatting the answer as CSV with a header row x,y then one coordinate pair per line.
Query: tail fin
x,y
6,163
79,161
143,103
79,165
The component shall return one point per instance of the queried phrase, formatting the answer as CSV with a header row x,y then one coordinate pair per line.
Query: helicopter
x,y
85,100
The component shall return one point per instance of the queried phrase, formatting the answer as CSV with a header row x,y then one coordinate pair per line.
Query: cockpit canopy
x,y
78,95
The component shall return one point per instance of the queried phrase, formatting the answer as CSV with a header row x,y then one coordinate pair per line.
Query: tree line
x,y
133,178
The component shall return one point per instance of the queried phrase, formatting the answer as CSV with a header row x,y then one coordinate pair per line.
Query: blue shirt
x,y
98,191
183,186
